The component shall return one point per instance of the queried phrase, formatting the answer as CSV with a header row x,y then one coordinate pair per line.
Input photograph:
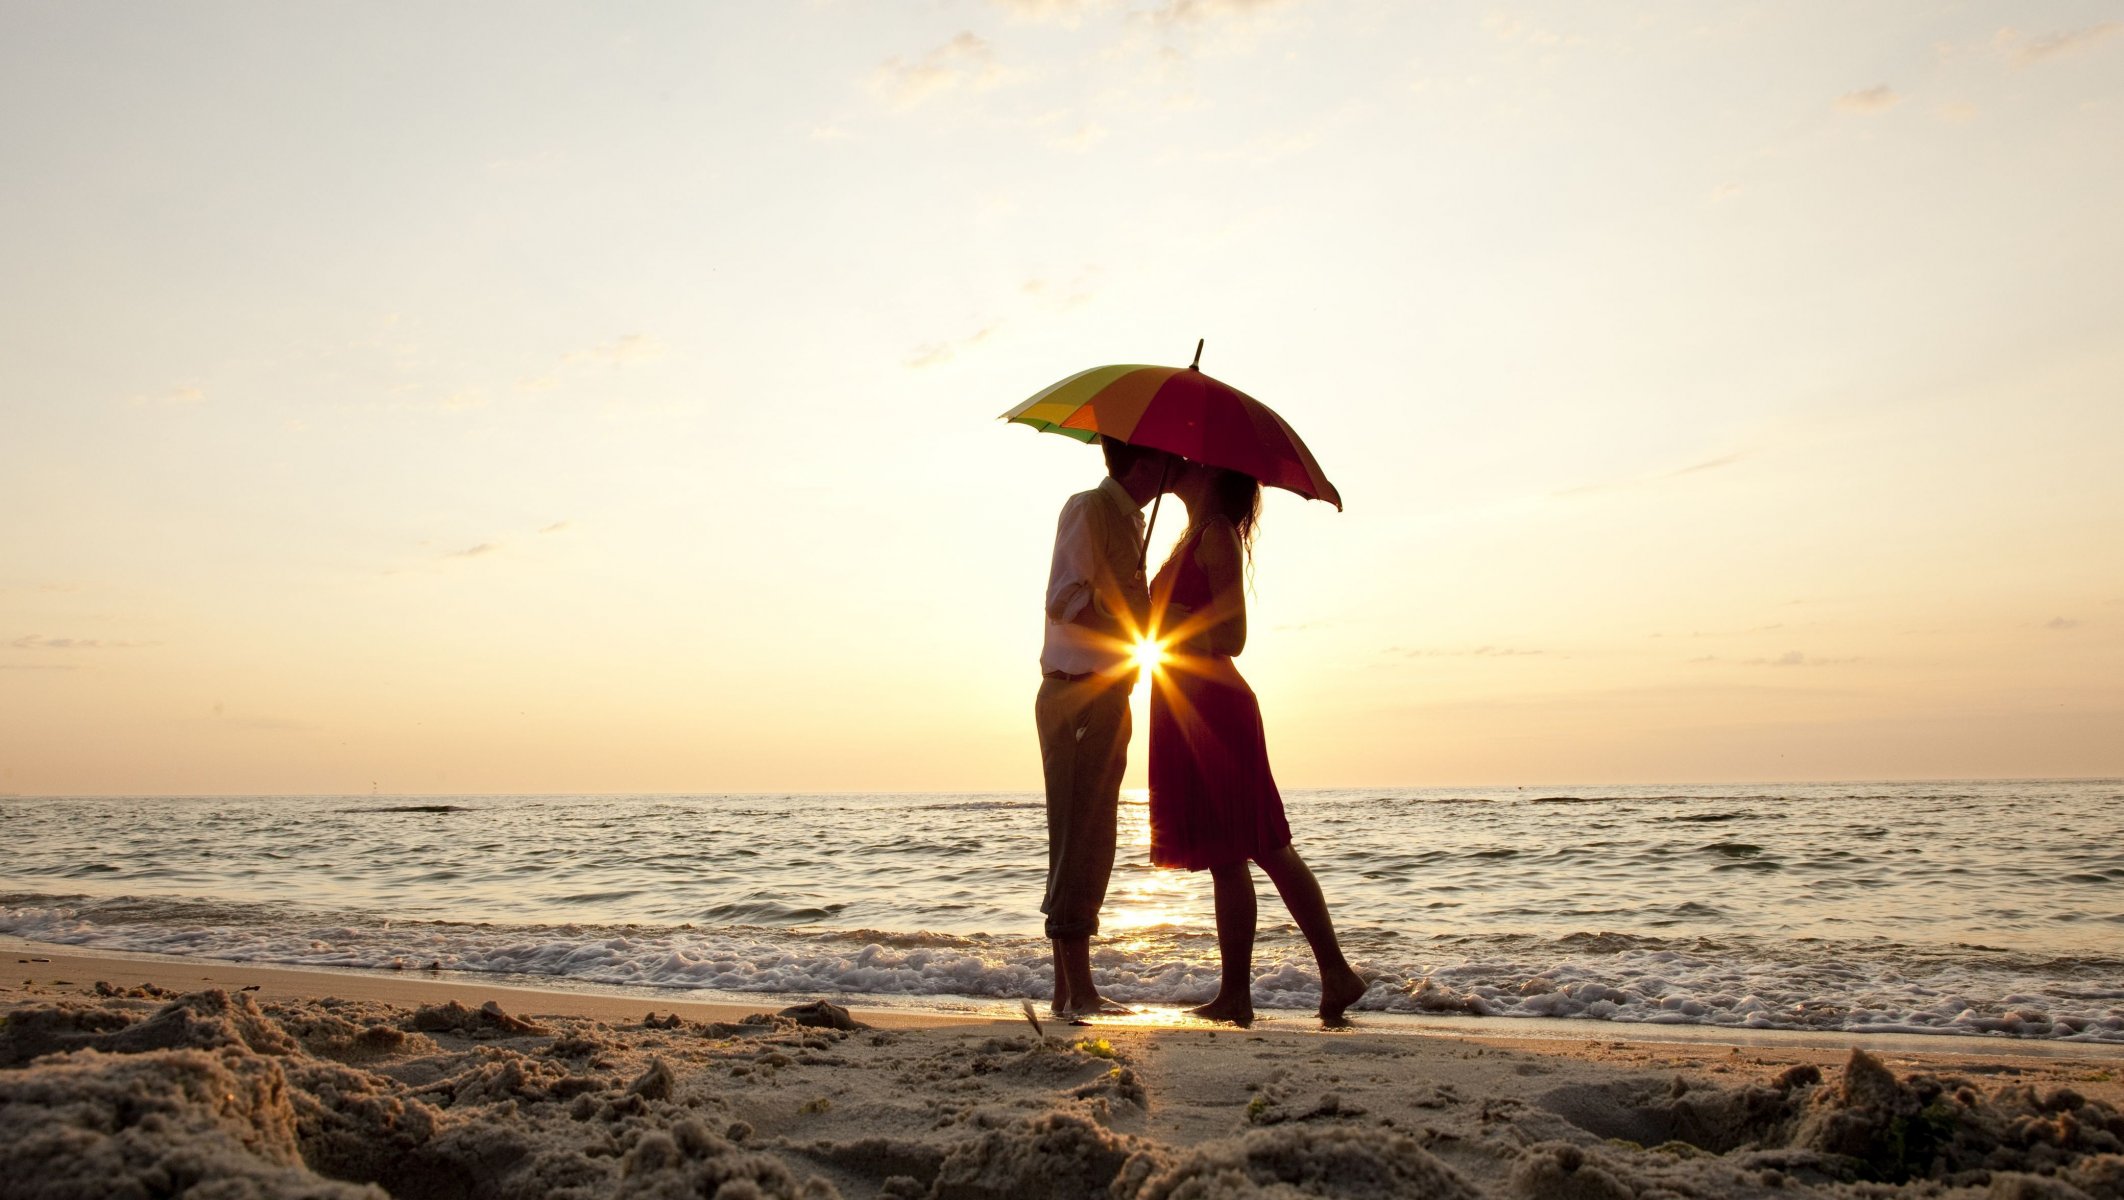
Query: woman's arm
x,y
1224,562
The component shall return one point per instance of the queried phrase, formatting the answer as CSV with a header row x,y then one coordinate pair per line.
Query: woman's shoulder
x,y
1215,539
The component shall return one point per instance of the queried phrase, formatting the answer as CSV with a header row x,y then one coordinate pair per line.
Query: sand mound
x,y
1061,1154
96,1125
1868,1127
1926,1127
202,1020
488,1020
688,1160
1298,1161
1658,1111
348,1031
208,1095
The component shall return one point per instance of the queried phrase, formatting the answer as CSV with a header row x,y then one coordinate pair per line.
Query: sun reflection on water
x,y
1142,897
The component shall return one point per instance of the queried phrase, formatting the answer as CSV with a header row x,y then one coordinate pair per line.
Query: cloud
x,y
183,397
1267,147
1083,139
1507,28
1793,658
483,548
1878,99
1709,464
1695,468
2062,623
1064,295
935,354
1484,651
556,527
1790,658
1196,12
620,351
266,724
966,61
15,666
1071,12
35,641
2025,51
1721,633
1054,12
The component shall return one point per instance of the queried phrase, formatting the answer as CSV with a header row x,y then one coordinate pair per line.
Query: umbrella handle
x,y
1143,555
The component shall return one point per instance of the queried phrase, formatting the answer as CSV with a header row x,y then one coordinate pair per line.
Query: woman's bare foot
x,y
1337,993
1238,1012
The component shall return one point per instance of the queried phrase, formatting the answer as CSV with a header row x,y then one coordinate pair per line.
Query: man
x,y
1097,606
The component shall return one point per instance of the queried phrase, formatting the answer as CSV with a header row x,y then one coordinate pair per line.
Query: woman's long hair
x,y
1235,496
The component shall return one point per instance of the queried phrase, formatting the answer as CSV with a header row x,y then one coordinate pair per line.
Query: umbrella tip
x,y
1197,364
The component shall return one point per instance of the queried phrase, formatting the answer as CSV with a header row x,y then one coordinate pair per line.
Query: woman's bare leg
x,y
1340,986
1236,912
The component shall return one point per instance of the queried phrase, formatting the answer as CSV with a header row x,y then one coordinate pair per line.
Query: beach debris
x,y
250,987
1095,1047
822,1014
652,1021
1032,1015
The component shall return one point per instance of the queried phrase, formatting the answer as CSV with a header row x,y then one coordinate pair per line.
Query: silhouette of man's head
x,y
1143,471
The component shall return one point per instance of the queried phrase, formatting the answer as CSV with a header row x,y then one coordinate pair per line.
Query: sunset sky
x,y
574,398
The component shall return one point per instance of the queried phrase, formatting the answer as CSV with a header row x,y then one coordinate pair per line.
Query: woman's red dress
x,y
1212,798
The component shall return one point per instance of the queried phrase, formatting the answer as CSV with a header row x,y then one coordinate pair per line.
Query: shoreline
x,y
78,967
357,1085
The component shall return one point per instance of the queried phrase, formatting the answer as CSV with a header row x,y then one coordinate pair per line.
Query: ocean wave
x,y
1746,983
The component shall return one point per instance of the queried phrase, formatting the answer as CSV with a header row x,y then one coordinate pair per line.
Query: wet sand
x,y
170,1076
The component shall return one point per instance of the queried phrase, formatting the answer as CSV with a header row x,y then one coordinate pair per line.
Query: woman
x,y
1213,803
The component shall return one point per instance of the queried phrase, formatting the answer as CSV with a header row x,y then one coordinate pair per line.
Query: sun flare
x,y
1147,654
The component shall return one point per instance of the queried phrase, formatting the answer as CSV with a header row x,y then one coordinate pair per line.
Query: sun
x,y
1147,654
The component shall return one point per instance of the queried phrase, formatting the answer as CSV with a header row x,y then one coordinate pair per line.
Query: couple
x,y
1213,803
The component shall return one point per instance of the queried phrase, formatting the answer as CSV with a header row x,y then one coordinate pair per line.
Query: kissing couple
x,y
1213,802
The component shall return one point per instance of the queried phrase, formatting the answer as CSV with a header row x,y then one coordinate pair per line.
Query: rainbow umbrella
x,y
1181,410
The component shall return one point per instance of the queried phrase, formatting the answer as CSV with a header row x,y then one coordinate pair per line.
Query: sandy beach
x,y
133,1077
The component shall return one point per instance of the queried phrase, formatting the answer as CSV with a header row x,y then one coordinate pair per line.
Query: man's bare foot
x,y
1238,1012
1337,993
1098,1006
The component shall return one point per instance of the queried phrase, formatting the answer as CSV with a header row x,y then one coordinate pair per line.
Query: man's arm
x,y
1069,580
1082,588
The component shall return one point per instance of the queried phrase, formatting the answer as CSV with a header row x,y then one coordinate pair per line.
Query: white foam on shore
x,y
1862,987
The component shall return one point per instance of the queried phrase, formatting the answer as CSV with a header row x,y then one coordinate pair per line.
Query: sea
x,y
1975,909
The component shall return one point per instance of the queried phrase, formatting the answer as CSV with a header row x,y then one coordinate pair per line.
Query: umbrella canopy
x,y
1181,410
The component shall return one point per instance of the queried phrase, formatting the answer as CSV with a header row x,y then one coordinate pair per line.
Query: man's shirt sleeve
x,y
1069,580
